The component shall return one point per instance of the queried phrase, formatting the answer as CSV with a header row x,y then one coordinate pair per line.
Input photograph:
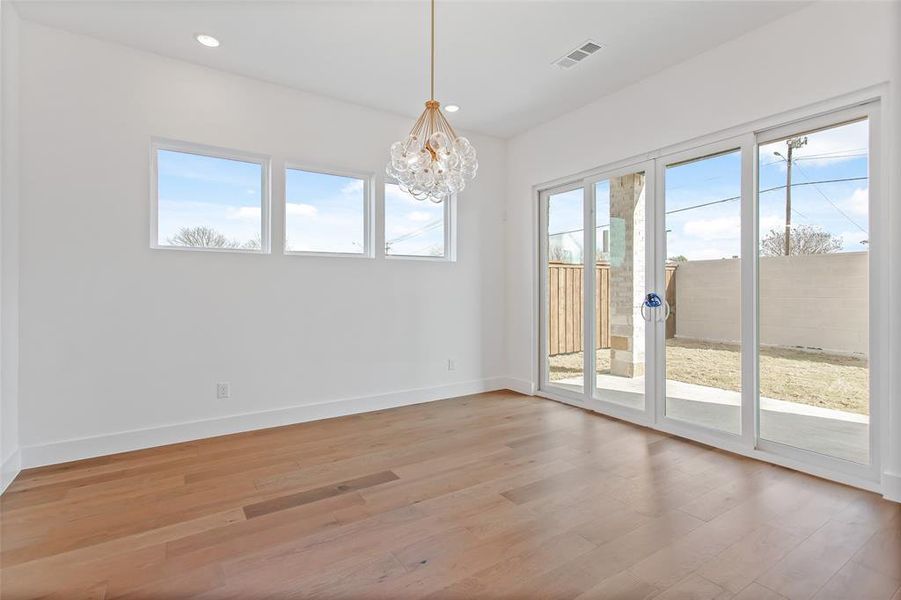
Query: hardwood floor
x,y
495,495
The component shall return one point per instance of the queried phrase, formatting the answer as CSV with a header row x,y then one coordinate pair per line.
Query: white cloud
x,y
858,202
249,213
353,188
300,210
770,222
711,253
419,216
723,228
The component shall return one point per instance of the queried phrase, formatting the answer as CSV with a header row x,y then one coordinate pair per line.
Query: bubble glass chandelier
x,y
433,162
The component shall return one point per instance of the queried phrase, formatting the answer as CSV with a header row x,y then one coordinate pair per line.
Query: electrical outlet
x,y
451,365
223,391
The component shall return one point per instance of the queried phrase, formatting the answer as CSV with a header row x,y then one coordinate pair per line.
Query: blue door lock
x,y
653,300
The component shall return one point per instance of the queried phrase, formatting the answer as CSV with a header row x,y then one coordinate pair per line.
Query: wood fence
x,y
565,306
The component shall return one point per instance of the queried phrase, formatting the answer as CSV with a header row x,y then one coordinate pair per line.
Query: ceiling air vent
x,y
577,55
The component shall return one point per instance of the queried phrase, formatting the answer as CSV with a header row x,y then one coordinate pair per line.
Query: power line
x,y
733,198
823,156
772,189
829,156
416,232
834,205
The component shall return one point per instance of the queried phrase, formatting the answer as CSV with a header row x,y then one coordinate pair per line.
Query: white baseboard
x,y
891,486
10,468
519,385
102,445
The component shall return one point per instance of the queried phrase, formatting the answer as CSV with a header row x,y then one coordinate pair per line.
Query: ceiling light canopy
x,y
207,40
432,162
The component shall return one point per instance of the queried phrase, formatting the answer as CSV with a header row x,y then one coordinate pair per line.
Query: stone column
x,y
627,282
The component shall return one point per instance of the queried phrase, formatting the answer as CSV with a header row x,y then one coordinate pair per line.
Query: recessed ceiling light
x,y
451,108
207,40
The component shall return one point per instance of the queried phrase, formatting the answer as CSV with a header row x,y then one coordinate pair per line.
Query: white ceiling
x,y
494,58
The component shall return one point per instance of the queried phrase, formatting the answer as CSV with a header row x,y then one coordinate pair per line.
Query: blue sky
x,y
714,231
324,213
212,192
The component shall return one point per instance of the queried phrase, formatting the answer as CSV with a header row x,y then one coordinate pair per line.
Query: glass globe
x,y
438,141
425,179
455,182
461,144
411,144
397,150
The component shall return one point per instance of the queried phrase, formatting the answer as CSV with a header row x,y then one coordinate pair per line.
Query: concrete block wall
x,y
627,283
814,301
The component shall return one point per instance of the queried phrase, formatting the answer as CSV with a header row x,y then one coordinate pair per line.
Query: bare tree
x,y
207,237
805,239
559,254
253,244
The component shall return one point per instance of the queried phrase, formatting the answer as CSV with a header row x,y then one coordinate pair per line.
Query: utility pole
x,y
792,143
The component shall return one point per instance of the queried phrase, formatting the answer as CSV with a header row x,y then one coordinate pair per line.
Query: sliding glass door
x,y
701,263
723,293
563,260
813,288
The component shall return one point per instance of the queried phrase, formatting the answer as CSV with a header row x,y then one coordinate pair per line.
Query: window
x,y
326,213
415,228
208,199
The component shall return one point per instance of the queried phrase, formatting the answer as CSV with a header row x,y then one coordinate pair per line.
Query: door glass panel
x,y
620,214
565,258
703,289
813,291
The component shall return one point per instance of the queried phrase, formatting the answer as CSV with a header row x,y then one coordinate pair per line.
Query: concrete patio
x,y
826,431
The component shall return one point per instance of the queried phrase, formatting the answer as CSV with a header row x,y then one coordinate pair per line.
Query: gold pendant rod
x,y
433,50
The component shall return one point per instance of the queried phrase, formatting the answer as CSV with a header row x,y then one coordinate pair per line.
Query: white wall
x,y
9,245
835,48
118,337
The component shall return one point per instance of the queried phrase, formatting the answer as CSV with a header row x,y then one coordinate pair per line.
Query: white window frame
x,y
368,210
450,230
157,144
